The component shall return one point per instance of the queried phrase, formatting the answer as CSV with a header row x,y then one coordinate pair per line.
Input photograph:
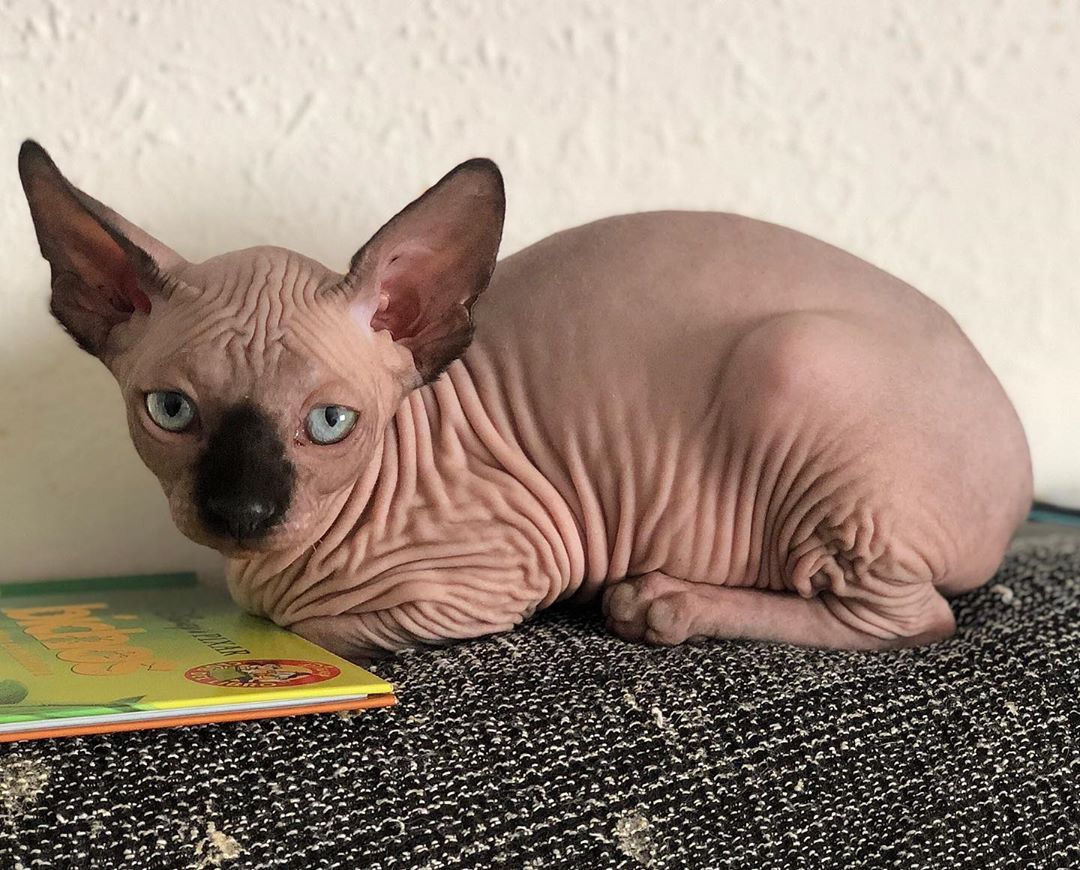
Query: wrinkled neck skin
x,y
445,484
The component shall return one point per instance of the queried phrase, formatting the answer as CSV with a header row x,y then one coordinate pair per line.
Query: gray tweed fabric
x,y
557,746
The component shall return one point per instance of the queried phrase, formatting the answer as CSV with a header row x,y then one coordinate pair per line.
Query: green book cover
x,y
102,654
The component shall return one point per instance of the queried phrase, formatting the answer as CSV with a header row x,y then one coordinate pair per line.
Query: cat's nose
x,y
243,517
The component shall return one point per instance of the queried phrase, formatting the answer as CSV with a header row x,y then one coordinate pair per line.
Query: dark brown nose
x,y
244,480
243,517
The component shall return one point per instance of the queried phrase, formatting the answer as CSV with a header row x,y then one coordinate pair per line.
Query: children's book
x,y
124,653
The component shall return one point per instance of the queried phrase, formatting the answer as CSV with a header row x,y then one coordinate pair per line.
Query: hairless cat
x,y
719,427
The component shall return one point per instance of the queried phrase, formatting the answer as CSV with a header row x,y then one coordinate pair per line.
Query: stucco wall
x,y
938,140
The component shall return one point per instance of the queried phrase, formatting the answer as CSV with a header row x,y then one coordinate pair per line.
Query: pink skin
x,y
722,427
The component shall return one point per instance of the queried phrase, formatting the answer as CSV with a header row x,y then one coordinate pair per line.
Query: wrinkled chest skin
x,y
699,396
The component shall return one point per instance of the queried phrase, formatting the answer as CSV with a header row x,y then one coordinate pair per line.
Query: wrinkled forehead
x,y
252,317
257,279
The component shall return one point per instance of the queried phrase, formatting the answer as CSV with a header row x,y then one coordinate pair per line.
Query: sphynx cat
x,y
722,428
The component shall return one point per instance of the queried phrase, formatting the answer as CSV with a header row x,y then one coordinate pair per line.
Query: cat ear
x,y
104,268
420,274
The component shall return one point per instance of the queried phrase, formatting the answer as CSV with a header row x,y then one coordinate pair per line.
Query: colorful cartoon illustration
x,y
262,673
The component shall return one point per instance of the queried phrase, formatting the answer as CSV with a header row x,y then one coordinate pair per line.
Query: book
x,y
124,653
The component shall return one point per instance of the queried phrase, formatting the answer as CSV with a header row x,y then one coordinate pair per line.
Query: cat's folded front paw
x,y
653,608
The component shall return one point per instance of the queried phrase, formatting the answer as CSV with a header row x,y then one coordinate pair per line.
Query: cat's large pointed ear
x,y
420,274
104,268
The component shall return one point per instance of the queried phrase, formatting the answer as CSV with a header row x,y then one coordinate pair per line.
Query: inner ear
x,y
420,274
104,268
406,303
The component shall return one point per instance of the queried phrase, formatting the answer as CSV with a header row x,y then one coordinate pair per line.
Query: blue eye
x,y
170,409
328,424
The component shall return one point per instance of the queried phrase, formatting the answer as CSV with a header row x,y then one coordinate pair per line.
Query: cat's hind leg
x,y
666,611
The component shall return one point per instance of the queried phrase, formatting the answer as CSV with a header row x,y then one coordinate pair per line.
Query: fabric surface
x,y
558,746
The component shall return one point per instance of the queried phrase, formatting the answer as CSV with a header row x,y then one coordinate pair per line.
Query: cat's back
x,y
647,307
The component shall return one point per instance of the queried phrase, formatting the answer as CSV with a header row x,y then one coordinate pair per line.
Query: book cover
x,y
111,654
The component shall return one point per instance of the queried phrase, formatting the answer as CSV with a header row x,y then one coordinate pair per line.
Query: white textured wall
x,y
938,140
